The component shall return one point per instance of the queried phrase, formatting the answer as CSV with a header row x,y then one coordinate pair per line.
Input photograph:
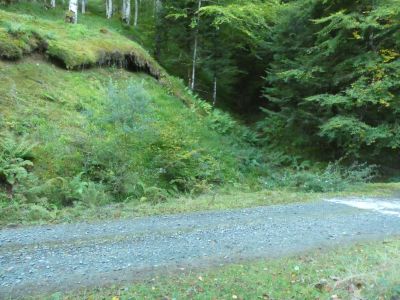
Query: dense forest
x,y
324,73
301,94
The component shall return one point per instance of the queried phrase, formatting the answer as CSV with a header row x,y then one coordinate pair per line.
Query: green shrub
x,y
68,191
138,152
128,107
221,122
187,170
15,29
15,161
331,179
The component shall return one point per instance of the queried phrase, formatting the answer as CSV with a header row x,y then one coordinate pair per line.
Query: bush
x,y
138,152
15,162
128,108
333,178
63,192
187,170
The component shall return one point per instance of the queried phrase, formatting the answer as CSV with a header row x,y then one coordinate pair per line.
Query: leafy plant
x,y
15,161
128,108
333,87
333,178
69,191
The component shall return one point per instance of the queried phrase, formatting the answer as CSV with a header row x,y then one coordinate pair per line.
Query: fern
x,y
14,159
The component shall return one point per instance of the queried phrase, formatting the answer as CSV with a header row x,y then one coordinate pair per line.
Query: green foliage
x,y
221,122
123,133
63,192
250,20
129,108
230,43
333,178
15,161
189,171
141,140
333,85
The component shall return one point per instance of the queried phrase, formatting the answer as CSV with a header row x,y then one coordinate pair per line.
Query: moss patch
x,y
74,45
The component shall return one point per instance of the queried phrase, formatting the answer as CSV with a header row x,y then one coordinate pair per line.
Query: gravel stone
x,y
73,256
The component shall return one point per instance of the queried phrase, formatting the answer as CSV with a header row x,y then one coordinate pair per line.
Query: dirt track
x,y
64,257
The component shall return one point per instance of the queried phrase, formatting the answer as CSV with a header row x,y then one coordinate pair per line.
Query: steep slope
x,y
117,131
78,46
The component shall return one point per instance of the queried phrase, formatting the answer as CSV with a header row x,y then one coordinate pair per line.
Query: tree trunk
x,y
136,12
215,91
83,3
158,22
194,60
73,10
53,3
109,9
126,11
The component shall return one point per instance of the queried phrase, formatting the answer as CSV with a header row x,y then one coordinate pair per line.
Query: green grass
x,y
64,114
18,214
74,45
94,42
365,271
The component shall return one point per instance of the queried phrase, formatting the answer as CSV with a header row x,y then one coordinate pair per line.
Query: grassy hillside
x,y
99,135
73,45
77,46
109,130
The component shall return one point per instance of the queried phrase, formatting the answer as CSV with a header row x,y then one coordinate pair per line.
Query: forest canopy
x,y
325,73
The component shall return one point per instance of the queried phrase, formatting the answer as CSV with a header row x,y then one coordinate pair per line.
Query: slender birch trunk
x,y
83,6
123,10
73,8
53,3
215,91
157,37
136,12
126,11
109,9
194,60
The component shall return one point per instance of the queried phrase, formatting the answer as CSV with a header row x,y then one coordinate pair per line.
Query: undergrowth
x,y
106,136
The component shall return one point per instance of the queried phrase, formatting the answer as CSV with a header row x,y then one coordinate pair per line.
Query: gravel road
x,y
63,257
